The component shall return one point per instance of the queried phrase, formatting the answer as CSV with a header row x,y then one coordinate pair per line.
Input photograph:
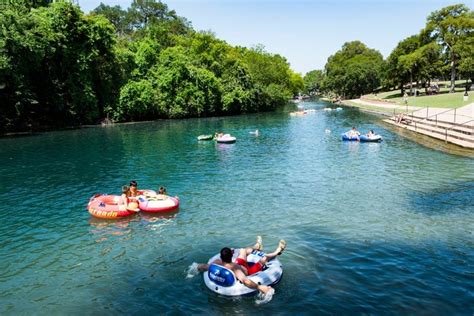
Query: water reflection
x,y
353,147
104,228
155,217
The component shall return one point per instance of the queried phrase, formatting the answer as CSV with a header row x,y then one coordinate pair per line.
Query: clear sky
x,y
305,32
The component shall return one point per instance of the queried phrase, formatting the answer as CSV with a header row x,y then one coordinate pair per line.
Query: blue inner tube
x,y
348,138
374,138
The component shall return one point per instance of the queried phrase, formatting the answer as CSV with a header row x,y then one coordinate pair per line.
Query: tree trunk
x,y
453,76
411,83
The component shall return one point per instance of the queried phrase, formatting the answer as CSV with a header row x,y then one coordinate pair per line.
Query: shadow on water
x,y
458,197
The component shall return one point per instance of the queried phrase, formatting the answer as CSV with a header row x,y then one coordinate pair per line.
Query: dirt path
x,y
382,104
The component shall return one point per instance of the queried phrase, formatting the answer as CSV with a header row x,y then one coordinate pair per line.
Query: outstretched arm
x,y
203,267
249,283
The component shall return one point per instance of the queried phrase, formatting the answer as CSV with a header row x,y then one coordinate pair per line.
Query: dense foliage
x,y
353,71
443,49
60,67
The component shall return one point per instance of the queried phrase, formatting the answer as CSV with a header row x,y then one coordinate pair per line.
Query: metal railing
x,y
452,127
427,117
455,115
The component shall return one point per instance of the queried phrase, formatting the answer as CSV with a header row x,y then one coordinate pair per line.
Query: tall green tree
x,y
449,26
312,81
397,70
466,63
59,66
116,15
354,70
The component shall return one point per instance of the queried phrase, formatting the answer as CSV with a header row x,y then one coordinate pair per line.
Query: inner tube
x,y
223,281
205,137
157,203
374,138
298,113
346,137
107,207
226,139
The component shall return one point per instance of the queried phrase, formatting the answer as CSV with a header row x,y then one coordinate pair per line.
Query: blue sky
x,y
305,32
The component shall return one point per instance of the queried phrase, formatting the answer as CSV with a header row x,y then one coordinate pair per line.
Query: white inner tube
x,y
223,281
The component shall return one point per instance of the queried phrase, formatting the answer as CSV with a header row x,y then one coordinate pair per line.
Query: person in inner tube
x,y
354,133
123,203
241,268
132,195
370,133
162,191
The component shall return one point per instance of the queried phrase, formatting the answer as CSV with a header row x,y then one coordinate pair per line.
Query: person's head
x,y
372,131
353,128
133,187
226,255
124,189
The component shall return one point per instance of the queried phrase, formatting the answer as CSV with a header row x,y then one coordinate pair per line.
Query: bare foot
x,y
281,246
259,243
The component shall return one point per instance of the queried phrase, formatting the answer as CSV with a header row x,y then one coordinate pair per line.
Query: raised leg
x,y
278,251
257,246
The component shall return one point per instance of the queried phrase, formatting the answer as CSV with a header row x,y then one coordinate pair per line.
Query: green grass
x,y
443,100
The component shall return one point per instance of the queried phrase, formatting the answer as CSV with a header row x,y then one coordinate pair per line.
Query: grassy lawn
x,y
443,100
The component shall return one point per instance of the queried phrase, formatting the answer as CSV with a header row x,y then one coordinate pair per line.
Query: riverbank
x,y
368,107
384,107
444,137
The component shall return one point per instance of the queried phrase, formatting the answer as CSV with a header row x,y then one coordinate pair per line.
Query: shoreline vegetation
x,y
62,68
434,68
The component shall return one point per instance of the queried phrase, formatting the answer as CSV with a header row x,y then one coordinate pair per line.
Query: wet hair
x,y
162,190
226,255
124,189
133,183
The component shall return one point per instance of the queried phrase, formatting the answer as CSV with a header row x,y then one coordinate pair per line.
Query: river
x,y
372,228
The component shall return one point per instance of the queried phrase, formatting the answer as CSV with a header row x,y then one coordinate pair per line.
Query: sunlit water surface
x,y
380,228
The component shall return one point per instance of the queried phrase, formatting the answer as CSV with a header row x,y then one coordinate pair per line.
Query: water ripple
x,y
371,228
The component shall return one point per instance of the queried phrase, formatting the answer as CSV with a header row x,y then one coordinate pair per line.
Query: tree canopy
x,y
443,48
451,27
60,67
354,70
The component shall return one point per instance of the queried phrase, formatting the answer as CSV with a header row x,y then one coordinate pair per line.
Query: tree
x,y
138,100
57,66
60,67
397,70
448,27
272,77
116,15
354,70
466,63
313,81
184,89
143,13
